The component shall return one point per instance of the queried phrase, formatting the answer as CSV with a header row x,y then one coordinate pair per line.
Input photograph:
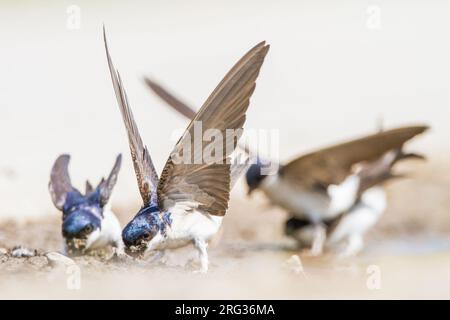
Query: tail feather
x,y
381,170
412,156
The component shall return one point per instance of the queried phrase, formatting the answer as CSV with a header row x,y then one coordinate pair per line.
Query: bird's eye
x,y
88,228
146,236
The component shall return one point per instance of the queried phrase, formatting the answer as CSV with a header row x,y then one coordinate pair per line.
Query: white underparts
x,y
311,204
109,234
350,231
347,237
342,196
302,203
193,227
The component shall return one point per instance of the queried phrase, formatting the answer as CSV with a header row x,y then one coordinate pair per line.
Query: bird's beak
x,y
136,252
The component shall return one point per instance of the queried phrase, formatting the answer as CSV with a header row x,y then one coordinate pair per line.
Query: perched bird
x,y
332,195
88,222
187,203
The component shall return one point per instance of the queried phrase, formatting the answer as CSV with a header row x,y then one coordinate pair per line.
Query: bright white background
x,y
330,75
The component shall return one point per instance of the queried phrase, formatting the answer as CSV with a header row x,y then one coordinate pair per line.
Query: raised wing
x,y
181,107
239,167
60,183
89,187
332,165
188,176
106,186
146,175
170,99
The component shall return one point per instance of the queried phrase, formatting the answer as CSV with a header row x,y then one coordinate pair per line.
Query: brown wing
x,y
332,165
170,99
238,169
208,184
146,175
180,106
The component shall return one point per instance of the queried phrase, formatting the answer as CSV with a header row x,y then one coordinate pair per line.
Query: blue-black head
x,y
82,213
254,176
147,223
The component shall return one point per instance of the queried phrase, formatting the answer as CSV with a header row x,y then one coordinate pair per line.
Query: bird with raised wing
x,y
187,203
88,222
333,195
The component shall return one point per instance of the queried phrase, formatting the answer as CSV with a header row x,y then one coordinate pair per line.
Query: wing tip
x,y
409,130
262,48
155,87
261,44
424,127
105,40
259,49
419,128
148,81
119,159
65,157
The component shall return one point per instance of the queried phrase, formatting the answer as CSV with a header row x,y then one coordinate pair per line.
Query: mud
x,y
246,262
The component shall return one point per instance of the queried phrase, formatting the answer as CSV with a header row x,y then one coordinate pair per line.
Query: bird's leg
x,y
355,243
65,249
319,236
119,248
202,246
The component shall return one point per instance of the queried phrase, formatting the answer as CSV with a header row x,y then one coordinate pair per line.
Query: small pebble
x,y
58,259
38,262
3,251
21,252
295,264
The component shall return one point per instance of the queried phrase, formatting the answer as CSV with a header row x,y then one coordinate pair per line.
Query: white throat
x,y
186,227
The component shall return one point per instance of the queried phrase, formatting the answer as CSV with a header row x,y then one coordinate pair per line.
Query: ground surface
x,y
249,259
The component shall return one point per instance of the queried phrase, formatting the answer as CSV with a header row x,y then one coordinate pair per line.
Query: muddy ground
x,y
250,258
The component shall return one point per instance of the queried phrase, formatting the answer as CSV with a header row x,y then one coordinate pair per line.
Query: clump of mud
x,y
34,247
24,260
13,262
249,258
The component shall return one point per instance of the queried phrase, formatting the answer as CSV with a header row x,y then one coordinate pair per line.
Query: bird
x,y
359,208
88,222
187,203
332,195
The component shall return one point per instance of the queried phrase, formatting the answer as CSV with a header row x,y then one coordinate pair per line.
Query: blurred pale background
x,y
333,70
